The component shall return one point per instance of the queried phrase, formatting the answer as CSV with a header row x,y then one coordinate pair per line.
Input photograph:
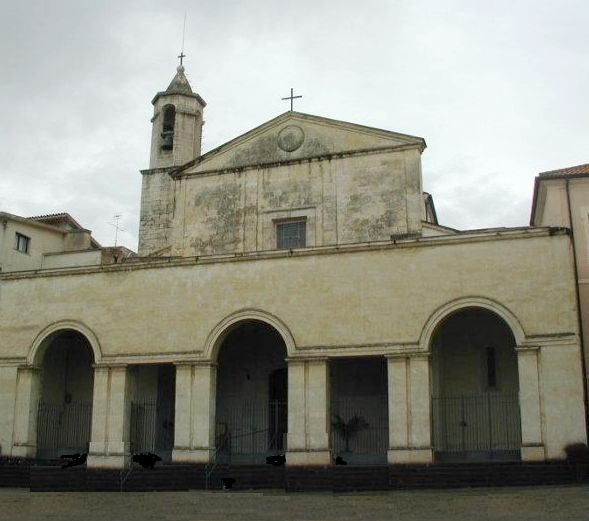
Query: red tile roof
x,y
564,172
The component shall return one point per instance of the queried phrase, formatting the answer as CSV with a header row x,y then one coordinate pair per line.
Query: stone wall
x,y
346,302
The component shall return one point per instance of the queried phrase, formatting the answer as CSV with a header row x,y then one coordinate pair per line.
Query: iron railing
x,y
151,428
63,428
249,432
370,443
476,423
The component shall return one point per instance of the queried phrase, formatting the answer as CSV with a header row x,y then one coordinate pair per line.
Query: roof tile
x,y
570,171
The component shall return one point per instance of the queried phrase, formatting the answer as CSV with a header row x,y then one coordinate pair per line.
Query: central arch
x,y
251,398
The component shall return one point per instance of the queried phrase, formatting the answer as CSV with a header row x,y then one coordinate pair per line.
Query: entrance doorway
x,y
251,409
475,402
64,414
359,410
152,409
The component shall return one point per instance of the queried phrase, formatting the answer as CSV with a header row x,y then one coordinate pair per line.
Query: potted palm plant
x,y
349,429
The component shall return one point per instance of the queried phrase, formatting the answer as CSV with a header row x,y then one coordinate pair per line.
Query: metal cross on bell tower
x,y
291,98
181,56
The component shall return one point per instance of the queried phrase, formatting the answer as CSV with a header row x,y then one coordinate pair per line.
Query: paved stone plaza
x,y
560,503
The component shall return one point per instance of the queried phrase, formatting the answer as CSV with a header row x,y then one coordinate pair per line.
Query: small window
x,y
22,243
290,235
491,368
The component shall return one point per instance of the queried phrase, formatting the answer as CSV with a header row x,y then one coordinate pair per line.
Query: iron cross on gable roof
x,y
291,98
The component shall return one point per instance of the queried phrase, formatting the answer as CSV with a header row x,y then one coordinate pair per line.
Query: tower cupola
x,y
176,124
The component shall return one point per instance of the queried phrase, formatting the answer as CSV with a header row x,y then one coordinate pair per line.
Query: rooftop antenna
x,y
118,228
182,55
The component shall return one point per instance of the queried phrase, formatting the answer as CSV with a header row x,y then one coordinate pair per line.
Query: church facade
x,y
294,294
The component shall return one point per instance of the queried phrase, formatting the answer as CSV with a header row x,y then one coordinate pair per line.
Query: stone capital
x,y
413,355
303,359
527,349
106,366
30,368
196,363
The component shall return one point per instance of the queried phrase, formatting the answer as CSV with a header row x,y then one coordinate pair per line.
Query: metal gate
x,y
63,428
476,427
151,429
250,432
368,444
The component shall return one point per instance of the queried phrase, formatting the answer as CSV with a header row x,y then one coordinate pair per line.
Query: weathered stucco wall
x,y
351,200
352,184
328,300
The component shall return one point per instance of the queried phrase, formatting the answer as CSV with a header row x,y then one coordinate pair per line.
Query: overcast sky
x,y
499,90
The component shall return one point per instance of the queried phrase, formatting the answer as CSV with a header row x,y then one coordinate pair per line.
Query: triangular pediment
x,y
294,136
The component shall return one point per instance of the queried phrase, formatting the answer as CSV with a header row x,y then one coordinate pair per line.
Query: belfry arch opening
x,y
475,388
64,413
251,402
168,126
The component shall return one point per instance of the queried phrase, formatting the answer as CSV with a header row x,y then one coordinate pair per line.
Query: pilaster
x,y
308,413
409,409
28,394
109,445
529,399
196,386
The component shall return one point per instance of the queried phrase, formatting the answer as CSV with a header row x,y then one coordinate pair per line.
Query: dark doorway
x,y
64,415
475,402
251,412
153,409
359,410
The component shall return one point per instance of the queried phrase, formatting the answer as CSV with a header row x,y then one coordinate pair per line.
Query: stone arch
x,y
44,338
224,327
475,407
444,311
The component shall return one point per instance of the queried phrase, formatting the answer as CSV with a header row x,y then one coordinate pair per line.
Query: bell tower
x,y
176,124
175,140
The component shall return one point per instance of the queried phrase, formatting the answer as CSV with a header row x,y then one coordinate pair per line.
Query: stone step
x,y
337,478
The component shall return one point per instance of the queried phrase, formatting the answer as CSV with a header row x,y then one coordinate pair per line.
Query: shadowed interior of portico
x,y
475,402
251,410
64,413
359,410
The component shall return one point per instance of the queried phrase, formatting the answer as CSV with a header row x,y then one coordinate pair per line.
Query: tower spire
x,y
177,122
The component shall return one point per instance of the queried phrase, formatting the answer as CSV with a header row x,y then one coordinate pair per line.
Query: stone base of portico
x,y
308,458
408,456
533,453
115,455
194,456
27,451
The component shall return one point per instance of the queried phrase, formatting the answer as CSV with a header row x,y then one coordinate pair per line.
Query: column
x,y
109,443
529,403
28,395
409,409
194,432
308,413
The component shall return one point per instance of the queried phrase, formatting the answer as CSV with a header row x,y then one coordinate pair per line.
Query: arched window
x,y
168,127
